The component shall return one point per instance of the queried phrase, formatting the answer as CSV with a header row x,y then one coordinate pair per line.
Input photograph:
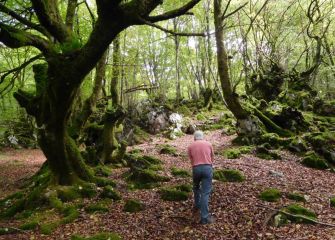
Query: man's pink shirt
x,y
200,152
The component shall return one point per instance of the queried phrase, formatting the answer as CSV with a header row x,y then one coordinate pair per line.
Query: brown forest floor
x,y
236,205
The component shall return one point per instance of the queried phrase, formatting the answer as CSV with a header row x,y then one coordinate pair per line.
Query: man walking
x,y
201,155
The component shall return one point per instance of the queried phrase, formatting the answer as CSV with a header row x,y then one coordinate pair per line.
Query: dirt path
x,y
234,204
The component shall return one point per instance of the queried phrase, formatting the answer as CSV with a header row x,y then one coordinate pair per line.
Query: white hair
x,y
198,135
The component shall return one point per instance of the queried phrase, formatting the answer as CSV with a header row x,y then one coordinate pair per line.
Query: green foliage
x,y
184,110
312,160
168,149
100,236
180,172
228,175
270,195
133,205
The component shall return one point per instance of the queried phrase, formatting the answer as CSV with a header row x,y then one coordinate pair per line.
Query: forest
x,y
100,101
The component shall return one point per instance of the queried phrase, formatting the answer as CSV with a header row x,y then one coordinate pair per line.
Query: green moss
x,y
299,211
264,153
66,193
96,207
297,145
140,136
100,236
180,172
16,207
168,149
48,228
233,153
270,195
228,175
70,214
184,110
145,178
332,201
103,171
200,117
29,225
4,231
133,205
314,161
109,192
102,181
296,197
136,151
175,193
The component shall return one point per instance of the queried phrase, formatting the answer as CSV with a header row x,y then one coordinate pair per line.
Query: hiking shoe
x,y
209,220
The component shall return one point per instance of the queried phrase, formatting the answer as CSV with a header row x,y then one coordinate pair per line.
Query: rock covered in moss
x,y
297,145
133,205
296,197
270,195
299,211
99,236
228,175
264,153
312,160
236,152
110,192
176,193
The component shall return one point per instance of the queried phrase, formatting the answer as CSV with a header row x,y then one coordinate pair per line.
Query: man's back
x,y
200,152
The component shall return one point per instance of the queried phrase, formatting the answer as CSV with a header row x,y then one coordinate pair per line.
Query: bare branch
x,y
173,13
170,31
224,16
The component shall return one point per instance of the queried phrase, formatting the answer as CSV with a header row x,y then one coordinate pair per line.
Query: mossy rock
x,y
144,162
297,145
233,153
133,205
168,149
102,171
270,195
136,151
312,160
180,172
332,202
264,153
109,192
140,136
299,211
321,139
48,228
296,197
146,176
100,236
228,175
96,207
175,193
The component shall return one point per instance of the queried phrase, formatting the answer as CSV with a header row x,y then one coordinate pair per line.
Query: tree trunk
x,y
230,97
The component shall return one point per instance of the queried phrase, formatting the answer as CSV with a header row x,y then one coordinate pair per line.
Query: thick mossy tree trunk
x,y
67,62
246,123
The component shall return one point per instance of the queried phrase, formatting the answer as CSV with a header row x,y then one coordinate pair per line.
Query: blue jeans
x,y
202,187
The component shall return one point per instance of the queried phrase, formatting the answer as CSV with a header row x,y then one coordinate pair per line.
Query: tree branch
x,y
49,16
19,68
170,31
224,16
173,13
22,20
70,13
16,38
